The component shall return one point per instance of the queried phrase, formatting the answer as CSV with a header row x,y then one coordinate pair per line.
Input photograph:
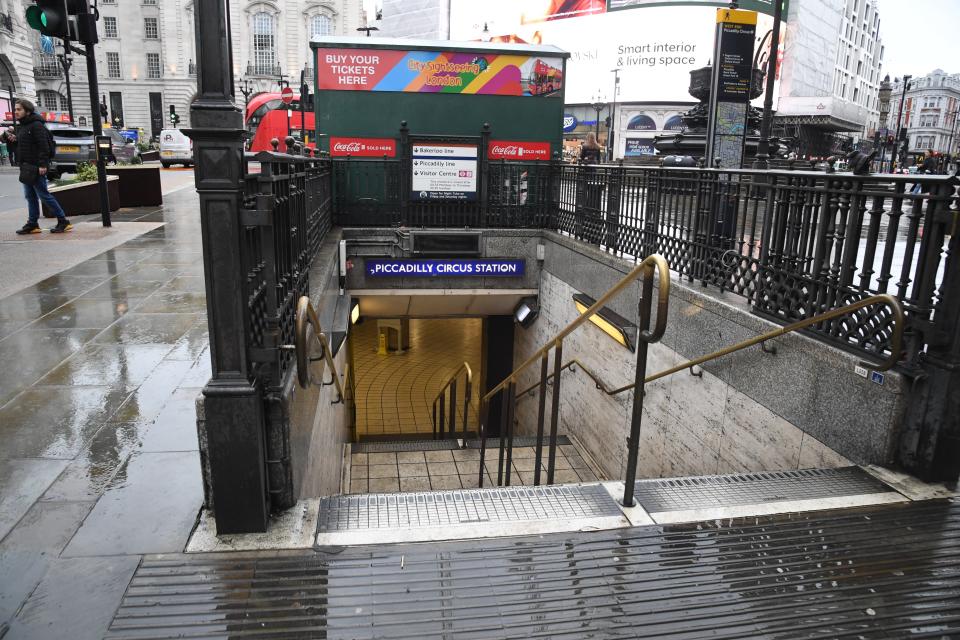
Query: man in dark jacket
x,y
34,145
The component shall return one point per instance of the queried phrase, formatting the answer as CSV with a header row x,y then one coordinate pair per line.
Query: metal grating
x,y
702,492
493,444
877,572
467,506
404,445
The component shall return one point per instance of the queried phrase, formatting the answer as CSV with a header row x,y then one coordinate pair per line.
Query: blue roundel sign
x,y
569,122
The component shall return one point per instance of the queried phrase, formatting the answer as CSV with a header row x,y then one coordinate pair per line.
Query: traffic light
x,y
53,17
50,18
606,122
174,118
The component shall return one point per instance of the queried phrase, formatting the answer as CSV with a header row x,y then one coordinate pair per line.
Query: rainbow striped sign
x,y
438,72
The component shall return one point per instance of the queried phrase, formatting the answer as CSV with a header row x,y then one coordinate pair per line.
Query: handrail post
x,y
540,410
554,410
467,396
452,427
633,443
511,406
503,434
442,423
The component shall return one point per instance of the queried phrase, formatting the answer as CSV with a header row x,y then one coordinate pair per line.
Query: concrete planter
x,y
84,198
139,185
150,156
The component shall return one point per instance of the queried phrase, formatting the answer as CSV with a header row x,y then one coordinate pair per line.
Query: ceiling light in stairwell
x,y
526,312
610,322
354,310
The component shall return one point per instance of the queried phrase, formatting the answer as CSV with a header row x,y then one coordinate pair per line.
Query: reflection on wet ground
x,y
101,368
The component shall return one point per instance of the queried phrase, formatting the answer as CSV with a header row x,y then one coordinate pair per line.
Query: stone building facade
x,y
146,60
931,112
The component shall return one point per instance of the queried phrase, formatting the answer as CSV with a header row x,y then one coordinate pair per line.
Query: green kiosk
x,y
439,133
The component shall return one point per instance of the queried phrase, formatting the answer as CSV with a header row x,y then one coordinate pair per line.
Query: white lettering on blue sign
x,y
446,267
876,377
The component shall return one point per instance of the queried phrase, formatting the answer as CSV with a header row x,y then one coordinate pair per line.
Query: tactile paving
x,y
701,492
467,506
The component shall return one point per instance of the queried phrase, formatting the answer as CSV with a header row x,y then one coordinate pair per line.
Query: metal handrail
x,y
651,266
306,315
896,341
663,272
439,401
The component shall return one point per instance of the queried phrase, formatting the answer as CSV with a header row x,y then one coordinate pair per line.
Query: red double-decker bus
x,y
266,118
545,79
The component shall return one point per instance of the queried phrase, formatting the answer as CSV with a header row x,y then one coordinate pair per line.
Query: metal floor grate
x,y
701,492
493,444
388,446
466,506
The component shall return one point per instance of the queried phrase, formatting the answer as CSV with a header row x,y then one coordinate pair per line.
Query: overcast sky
x,y
920,36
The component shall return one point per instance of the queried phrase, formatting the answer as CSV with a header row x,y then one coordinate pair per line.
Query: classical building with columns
x,y
146,58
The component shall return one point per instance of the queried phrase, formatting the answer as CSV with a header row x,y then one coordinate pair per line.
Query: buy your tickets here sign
x,y
438,72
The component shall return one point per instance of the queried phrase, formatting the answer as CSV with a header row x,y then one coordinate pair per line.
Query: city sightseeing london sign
x,y
439,267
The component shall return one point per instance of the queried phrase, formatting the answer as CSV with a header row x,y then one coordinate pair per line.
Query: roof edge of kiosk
x,y
409,44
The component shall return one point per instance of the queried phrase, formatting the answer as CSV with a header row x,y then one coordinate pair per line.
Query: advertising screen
x,y
344,69
654,46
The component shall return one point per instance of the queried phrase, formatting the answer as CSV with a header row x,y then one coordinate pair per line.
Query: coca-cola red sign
x,y
510,150
363,147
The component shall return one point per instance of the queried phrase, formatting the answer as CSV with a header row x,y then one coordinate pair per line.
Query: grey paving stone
x,y
22,572
47,527
149,507
21,483
382,471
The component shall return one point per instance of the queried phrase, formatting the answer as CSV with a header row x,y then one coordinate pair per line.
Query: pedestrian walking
x,y
590,150
9,138
929,166
35,148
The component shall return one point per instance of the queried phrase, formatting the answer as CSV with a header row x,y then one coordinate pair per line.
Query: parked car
x,y
75,145
175,148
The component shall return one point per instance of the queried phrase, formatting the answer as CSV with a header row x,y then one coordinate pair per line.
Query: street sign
x,y
286,94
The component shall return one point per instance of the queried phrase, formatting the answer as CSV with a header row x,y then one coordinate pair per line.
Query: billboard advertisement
x,y
654,46
345,69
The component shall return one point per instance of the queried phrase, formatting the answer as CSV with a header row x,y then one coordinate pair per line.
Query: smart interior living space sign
x,y
655,45
345,69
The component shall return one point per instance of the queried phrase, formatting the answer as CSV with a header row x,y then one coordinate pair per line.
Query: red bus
x,y
545,79
266,118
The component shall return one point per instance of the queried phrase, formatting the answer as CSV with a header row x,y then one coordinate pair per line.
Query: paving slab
x,y
21,483
76,599
108,365
47,527
150,506
36,352
22,572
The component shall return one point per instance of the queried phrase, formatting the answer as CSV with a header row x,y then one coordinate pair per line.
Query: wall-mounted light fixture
x,y
354,310
526,312
610,322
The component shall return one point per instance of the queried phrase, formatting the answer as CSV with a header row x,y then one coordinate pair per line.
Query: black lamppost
x,y
598,106
247,89
896,140
611,128
763,145
368,29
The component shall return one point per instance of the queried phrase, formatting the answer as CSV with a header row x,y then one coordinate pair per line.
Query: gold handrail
x,y
885,365
307,316
650,262
464,366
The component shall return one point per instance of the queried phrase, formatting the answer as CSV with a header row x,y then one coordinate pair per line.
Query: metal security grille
x,y
443,508
404,445
701,492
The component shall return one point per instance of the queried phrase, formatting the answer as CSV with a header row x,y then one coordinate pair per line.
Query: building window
x,y
263,44
153,65
51,100
113,64
109,27
321,25
152,2
150,30
108,1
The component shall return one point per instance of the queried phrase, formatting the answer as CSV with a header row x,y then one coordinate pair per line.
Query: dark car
x,y
75,145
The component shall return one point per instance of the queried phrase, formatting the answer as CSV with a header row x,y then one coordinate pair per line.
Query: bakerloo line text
x,y
439,269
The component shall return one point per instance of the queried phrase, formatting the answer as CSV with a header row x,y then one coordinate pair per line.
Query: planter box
x,y
139,185
150,156
84,198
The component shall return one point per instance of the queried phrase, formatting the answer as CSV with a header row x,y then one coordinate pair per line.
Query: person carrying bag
x,y
35,149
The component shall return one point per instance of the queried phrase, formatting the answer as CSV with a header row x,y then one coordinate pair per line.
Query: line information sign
x,y
444,172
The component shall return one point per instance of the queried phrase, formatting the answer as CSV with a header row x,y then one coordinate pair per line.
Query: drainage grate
x,y
701,492
403,445
467,506
519,441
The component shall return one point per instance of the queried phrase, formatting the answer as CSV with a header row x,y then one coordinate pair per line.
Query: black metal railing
x,y
446,408
793,243
286,214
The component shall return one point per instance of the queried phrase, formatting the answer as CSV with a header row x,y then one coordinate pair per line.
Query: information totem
x,y
730,83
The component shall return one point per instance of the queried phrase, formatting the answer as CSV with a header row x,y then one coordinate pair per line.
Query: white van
x,y
175,148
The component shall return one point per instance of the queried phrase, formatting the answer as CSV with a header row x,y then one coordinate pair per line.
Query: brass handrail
x,y
464,366
307,316
885,365
663,273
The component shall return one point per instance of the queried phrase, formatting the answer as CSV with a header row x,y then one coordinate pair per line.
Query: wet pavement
x,y
100,367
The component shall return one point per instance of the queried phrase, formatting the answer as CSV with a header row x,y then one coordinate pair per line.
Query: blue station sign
x,y
446,267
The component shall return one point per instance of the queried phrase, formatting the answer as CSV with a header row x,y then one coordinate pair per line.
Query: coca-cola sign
x,y
363,147
512,150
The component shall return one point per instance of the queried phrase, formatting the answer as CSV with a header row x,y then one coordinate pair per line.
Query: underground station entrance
x,y
709,379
